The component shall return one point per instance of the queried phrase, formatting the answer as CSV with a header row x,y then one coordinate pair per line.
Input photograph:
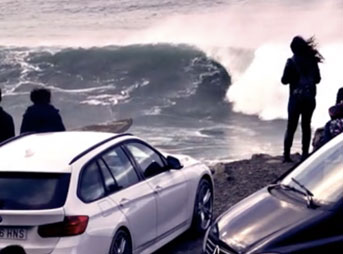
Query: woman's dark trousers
x,y
299,107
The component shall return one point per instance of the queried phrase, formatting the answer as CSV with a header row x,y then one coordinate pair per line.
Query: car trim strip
x,y
161,237
16,137
77,157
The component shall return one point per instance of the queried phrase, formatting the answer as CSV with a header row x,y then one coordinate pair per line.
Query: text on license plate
x,y
13,233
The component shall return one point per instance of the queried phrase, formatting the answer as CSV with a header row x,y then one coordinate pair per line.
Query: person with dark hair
x,y
302,74
339,97
41,116
336,111
6,124
334,126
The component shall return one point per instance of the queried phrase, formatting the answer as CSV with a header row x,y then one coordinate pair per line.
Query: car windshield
x,y
321,174
27,191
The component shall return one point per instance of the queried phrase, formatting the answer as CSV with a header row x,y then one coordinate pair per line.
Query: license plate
x,y
13,233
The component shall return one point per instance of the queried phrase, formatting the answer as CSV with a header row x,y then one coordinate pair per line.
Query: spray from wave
x,y
261,32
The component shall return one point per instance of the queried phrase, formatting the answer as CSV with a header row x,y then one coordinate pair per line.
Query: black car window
x,y
322,175
110,183
91,183
121,168
149,161
27,191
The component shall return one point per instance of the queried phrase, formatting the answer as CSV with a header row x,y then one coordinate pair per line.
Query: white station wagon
x,y
97,193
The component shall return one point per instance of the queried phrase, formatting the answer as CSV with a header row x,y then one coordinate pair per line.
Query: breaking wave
x,y
128,80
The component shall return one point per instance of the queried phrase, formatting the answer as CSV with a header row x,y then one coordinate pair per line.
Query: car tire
x,y
203,207
121,243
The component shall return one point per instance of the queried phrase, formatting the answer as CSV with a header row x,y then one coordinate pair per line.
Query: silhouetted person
x,y
339,97
336,111
6,124
302,74
41,116
335,125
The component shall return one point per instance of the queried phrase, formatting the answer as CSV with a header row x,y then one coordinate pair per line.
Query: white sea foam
x,y
156,110
104,99
259,91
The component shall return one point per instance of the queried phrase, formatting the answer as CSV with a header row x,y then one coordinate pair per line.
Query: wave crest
x,y
131,80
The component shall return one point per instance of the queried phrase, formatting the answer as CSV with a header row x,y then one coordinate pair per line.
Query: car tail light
x,y
72,225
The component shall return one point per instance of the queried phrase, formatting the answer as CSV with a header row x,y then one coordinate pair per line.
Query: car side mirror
x,y
174,163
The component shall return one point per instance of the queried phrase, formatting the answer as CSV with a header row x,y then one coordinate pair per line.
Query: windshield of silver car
x,y
321,174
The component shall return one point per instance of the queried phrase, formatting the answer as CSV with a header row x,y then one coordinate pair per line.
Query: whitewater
x,y
198,77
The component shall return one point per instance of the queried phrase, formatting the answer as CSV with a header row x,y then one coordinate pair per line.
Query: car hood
x,y
259,217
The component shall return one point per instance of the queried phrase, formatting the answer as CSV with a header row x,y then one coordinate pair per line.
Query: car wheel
x,y
203,208
121,243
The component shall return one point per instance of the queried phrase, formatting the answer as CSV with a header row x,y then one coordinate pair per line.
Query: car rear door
x,y
102,211
136,199
170,187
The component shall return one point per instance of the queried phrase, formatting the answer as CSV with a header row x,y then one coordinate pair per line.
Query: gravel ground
x,y
233,182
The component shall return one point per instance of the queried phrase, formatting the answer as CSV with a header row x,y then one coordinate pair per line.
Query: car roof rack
x,y
15,138
77,157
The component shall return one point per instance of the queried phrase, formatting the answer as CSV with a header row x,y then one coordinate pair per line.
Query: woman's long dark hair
x,y
307,48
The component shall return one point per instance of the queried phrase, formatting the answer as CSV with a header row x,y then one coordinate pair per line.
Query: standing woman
x,y
302,74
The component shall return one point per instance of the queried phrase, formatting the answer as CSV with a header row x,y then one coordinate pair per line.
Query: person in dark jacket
x,y
41,116
302,74
6,124
334,126
336,111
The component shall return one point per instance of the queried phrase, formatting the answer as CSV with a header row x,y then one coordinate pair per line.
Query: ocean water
x,y
198,77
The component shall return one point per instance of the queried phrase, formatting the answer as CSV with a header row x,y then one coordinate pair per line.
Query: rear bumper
x,y
82,244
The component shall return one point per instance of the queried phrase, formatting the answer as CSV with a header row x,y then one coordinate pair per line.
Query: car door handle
x,y
123,202
158,189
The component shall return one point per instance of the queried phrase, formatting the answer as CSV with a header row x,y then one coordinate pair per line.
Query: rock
x,y
238,179
273,161
218,168
260,156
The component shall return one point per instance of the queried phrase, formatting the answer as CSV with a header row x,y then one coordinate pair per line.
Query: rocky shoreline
x,y
237,180
233,182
